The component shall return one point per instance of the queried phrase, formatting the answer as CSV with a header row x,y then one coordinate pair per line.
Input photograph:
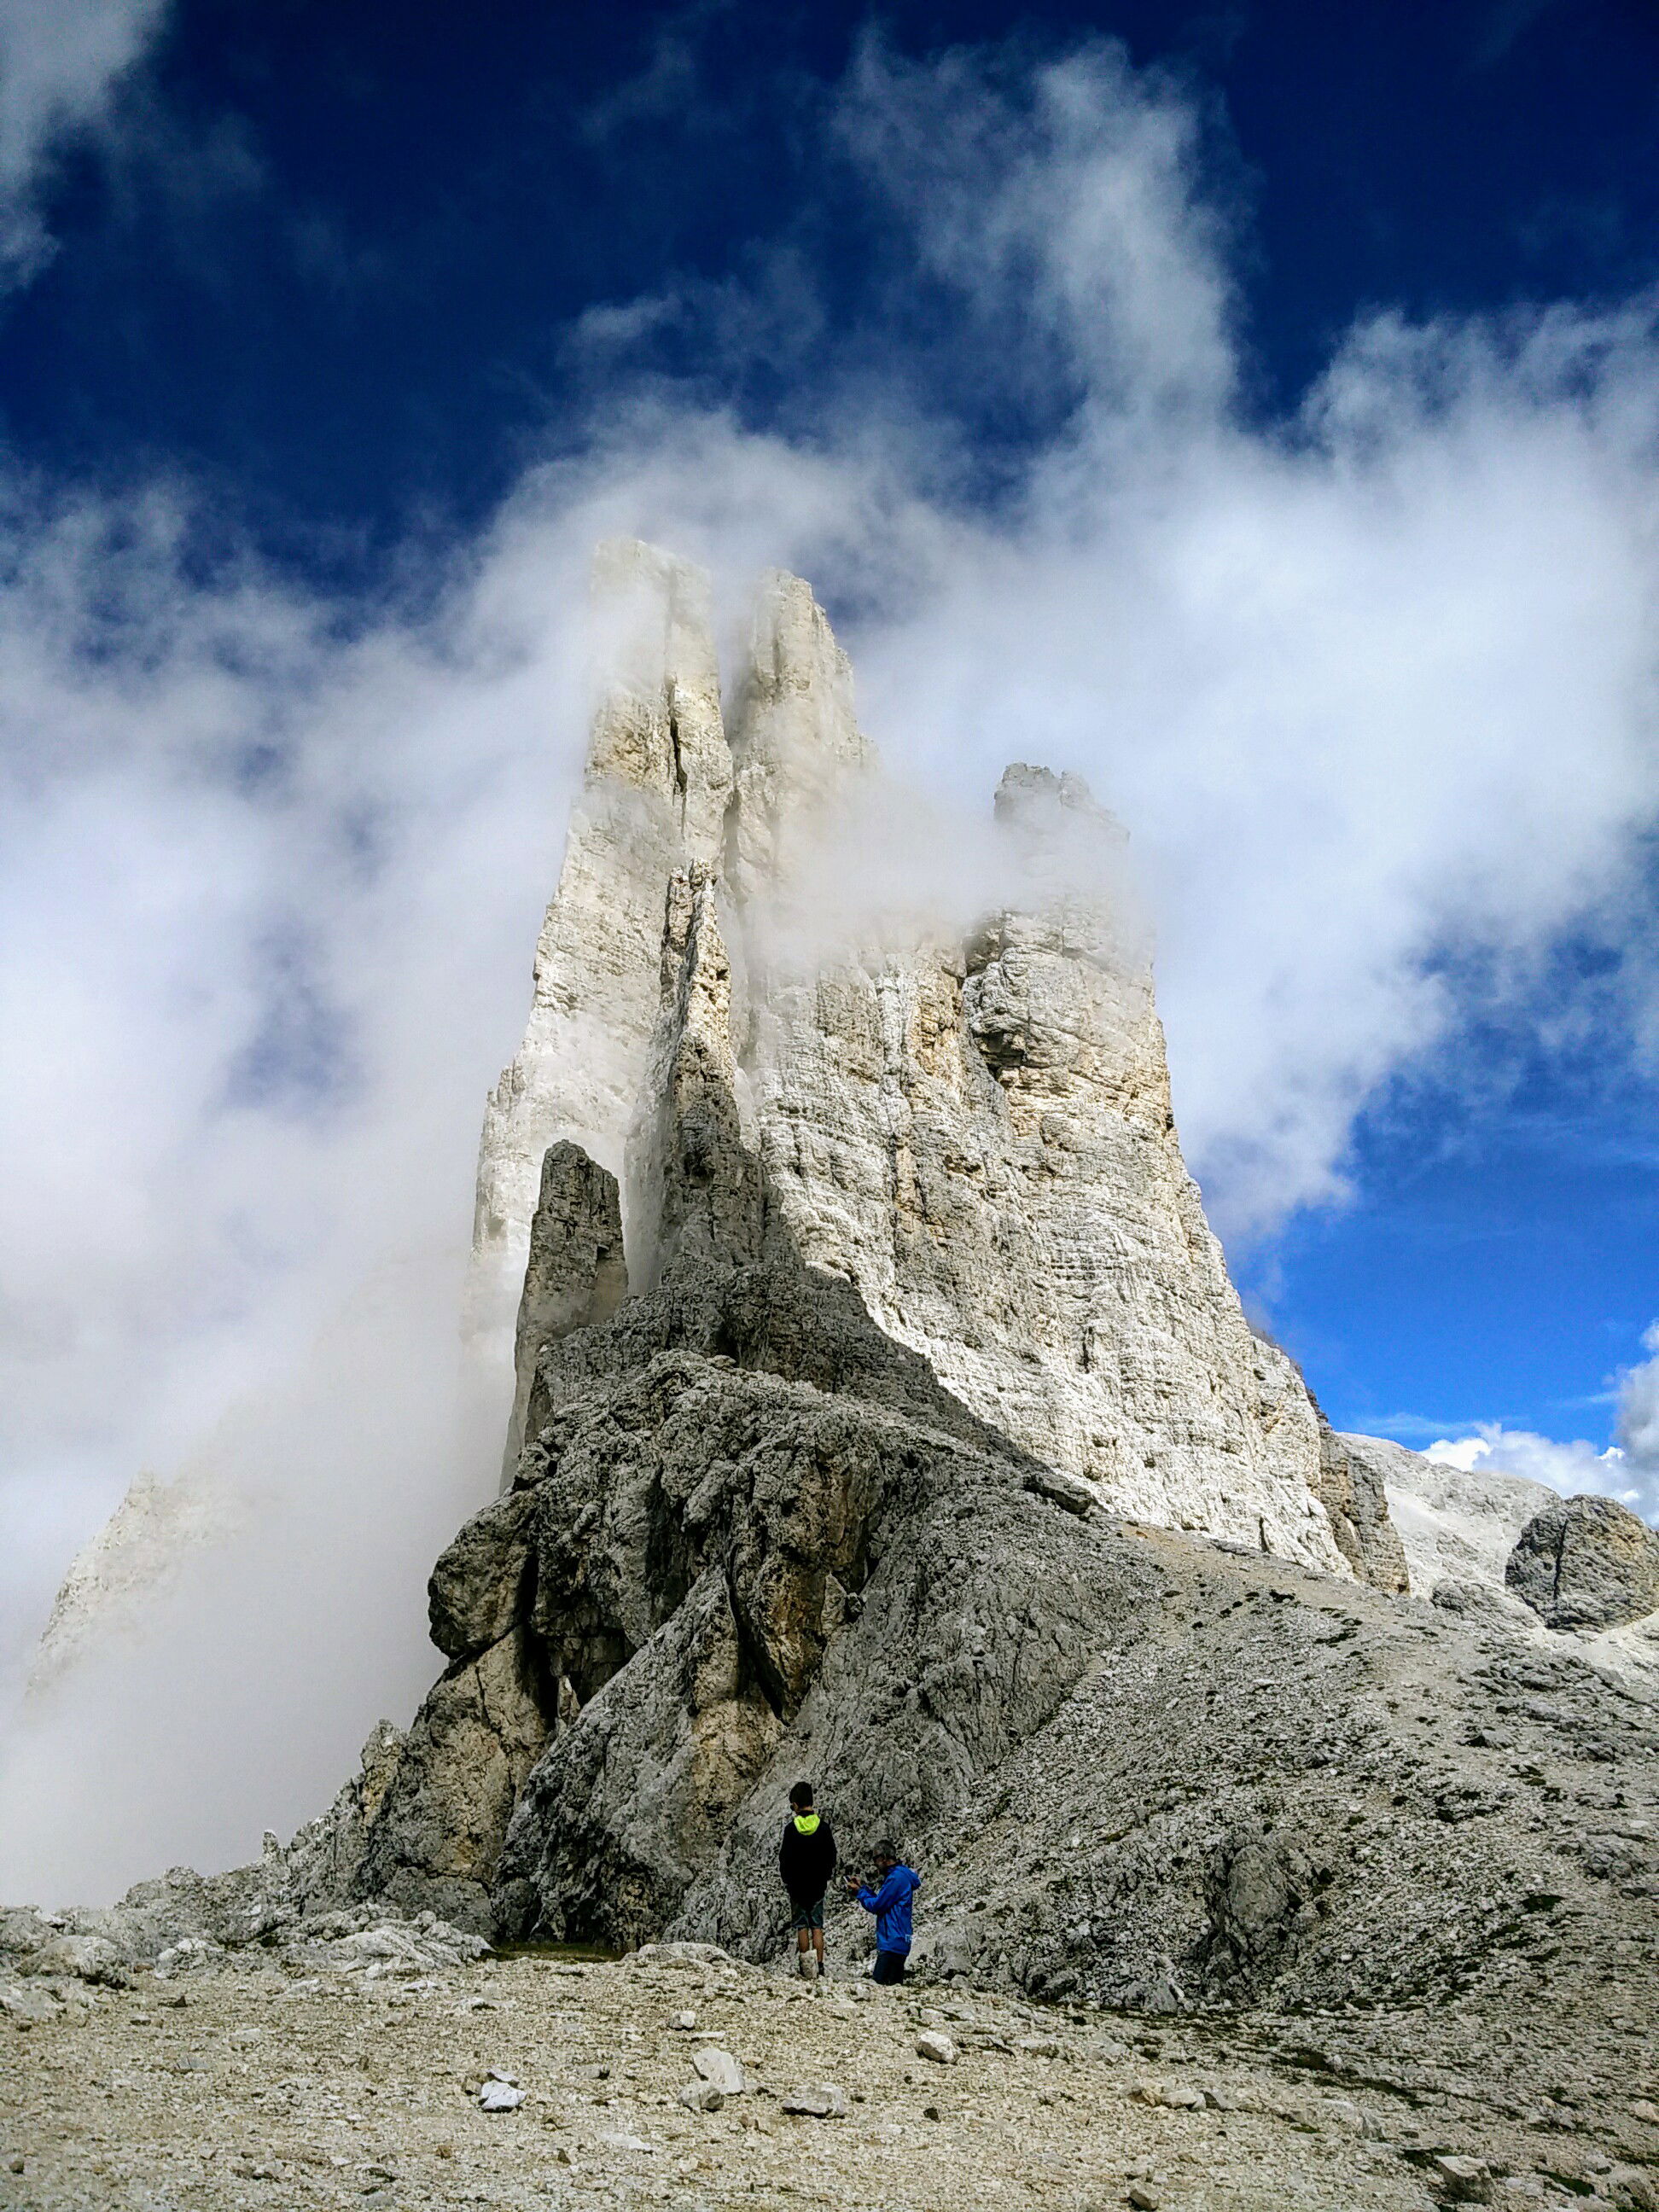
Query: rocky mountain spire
x,y
653,799
871,1461
975,1134
796,744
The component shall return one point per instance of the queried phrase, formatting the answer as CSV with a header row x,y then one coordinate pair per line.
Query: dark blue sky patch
x,y
333,265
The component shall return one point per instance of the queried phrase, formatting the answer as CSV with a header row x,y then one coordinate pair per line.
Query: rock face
x,y
136,1552
1455,1525
1586,1563
575,1274
916,1292
654,798
977,1135
980,1139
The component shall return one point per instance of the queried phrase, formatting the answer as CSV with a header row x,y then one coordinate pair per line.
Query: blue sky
x,y
330,331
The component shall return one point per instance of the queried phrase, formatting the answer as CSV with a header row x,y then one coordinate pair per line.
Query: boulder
x,y
816,2100
720,2068
86,1957
1586,1563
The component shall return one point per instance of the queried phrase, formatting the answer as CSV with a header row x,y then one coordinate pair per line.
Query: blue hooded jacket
x,y
892,1905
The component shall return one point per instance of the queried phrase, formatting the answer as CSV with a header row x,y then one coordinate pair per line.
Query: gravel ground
x,y
252,2084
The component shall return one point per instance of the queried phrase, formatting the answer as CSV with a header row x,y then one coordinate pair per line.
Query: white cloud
x,y
1571,1468
1628,1469
60,63
1637,1424
1371,688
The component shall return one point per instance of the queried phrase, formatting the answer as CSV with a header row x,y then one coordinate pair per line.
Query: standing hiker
x,y
806,1859
889,1900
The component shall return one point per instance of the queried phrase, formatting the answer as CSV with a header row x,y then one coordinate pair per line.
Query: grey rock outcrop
x,y
1586,1562
575,1274
1351,1488
1350,1476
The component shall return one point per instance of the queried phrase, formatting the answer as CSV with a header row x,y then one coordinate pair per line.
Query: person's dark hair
x,y
801,1793
888,1853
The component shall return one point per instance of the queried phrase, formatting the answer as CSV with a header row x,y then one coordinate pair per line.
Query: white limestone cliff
x,y
653,799
977,1134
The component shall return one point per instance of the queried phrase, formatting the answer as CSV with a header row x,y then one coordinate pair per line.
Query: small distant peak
x,y
792,647
622,563
1032,798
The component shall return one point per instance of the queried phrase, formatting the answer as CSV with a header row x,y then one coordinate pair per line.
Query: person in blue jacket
x,y
889,1900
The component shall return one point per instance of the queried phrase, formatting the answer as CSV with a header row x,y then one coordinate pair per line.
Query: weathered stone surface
x,y
720,2068
976,1136
659,776
1351,1489
22,1929
479,1588
1482,1601
434,1840
87,1958
247,2086
1586,1562
576,1275
797,747
630,1800
816,2100
980,1139
695,1182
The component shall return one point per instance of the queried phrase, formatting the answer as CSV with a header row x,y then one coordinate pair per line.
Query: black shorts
x,y
805,1912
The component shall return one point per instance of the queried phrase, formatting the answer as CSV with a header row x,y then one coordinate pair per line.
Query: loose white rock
x,y
720,2068
818,2100
934,2044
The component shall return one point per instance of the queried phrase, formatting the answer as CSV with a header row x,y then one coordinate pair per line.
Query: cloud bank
x,y
61,63
1370,683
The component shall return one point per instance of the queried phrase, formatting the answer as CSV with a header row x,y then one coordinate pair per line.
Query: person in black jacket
x,y
806,1859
